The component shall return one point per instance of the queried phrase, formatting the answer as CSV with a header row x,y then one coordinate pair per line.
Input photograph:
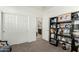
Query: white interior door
x,y
15,28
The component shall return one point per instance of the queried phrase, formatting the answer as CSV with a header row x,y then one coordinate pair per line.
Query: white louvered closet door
x,y
32,28
15,28
22,29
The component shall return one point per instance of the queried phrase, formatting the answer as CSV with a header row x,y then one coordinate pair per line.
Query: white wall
x,y
27,10
0,25
58,10
32,12
39,12
54,11
45,27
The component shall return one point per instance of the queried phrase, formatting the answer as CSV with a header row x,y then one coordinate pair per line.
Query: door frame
x,y
1,25
37,18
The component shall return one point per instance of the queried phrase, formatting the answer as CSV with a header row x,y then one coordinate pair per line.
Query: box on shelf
x,y
64,17
75,16
68,40
1,45
76,41
68,46
53,41
65,25
53,20
52,31
53,26
66,31
52,35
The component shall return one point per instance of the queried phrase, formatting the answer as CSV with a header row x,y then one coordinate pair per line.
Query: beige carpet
x,y
37,46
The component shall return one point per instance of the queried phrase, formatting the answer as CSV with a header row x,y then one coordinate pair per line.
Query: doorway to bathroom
x,y
39,28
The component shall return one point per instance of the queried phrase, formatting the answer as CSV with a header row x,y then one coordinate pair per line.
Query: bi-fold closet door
x,y
18,28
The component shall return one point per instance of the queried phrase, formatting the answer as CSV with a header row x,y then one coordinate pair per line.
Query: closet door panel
x,y
32,28
15,28
9,27
22,28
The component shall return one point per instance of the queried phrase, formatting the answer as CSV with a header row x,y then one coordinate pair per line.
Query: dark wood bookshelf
x,y
58,33
51,40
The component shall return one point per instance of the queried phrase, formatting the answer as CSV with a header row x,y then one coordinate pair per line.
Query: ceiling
x,y
43,7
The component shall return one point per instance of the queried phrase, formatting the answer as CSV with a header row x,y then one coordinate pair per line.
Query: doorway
x,y
39,28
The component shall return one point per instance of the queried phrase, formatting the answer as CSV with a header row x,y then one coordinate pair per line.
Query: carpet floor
x,y
39,45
